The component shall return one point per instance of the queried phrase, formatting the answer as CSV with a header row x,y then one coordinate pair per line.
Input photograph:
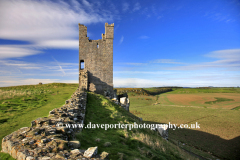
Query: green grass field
x,y
215,109
22,104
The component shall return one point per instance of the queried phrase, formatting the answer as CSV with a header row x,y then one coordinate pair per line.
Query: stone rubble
x,y
162,129
121,99
90,152
125,103
49,138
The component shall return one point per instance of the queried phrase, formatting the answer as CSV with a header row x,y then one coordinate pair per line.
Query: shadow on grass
x,y
122,143
217,146
158,91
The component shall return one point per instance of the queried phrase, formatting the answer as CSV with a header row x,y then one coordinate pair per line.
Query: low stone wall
x,y
49,138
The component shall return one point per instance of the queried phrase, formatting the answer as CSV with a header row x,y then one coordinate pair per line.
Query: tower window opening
x,y
82,64
97,45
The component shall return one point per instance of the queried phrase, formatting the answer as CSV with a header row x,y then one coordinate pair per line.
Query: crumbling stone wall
x,y
83,80
49,138
97,57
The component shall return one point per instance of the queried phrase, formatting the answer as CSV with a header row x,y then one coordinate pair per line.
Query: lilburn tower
x,y
96,60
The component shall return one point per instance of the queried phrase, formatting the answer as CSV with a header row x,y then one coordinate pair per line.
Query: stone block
x,y
162,130
76,151
30,158
104,155
90,152
21,156
123,100
14,152
74,144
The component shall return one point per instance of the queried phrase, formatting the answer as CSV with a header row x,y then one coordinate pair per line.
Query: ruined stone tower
x,y
96,60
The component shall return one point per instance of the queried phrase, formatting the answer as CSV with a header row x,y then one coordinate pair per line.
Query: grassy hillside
x,y
215,109
20,105
123,143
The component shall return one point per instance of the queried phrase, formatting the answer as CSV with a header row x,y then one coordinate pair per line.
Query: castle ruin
x,y
96,60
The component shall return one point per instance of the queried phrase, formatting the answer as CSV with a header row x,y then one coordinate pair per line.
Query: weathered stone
x,y
107,144
43,140
14,152
45,158
97,73
62,145
90,152
75,151
74,144
9,145
123,100
30,158
33,123
104,155
31,142
70,110
21,155
162,130
60,155
4,146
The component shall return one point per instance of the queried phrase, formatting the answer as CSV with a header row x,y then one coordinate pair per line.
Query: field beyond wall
x,y
21,104
215,109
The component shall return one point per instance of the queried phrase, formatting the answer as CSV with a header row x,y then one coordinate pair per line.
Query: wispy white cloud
x,y
144,37
15,81
125,6
23,68
221,71
51,24
220,17
60,67
19,64
143,72
142,82
159,17
68,44
225,54
179,79
13,51
226,59
20,72
121,40
135,82
136,64
171,61
45,20
154,10
18,81
136,7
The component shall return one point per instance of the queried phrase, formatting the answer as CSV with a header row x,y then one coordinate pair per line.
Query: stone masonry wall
x,y
97,56
83,80
49,138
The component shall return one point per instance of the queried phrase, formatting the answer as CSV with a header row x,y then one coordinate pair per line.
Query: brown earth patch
x,y
199,99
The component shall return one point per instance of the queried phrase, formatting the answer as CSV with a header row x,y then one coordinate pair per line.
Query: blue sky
x,y
189,43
